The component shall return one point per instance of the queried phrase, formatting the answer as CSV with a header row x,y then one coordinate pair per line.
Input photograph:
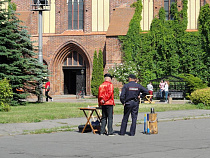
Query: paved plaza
x,y
181,134
176,139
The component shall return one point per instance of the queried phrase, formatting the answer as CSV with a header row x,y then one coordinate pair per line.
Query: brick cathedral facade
x,y
68,51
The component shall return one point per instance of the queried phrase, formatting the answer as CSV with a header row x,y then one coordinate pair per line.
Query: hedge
x,y
201,96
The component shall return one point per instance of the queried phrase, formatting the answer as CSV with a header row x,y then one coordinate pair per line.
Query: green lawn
x,y
35,112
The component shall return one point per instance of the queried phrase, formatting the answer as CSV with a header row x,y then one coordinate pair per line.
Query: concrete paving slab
x,y
175,139
19,128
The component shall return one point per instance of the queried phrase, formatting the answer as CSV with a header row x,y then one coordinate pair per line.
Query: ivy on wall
x,y
130,44
204,30
167,49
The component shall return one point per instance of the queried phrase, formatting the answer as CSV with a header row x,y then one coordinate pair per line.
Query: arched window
x,y
74,59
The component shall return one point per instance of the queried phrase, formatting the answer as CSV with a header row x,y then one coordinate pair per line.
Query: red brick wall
x,y
52,46
32,21
204,1
23,5
179,5
119,3
61,14
157,5
87,16
113,52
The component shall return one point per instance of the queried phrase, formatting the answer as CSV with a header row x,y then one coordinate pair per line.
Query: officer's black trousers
x,y
107,113
132,108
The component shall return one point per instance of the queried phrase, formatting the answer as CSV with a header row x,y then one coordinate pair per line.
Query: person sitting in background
x,y
150,89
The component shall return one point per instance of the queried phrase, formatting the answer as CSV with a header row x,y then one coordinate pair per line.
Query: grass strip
x,y
50,130
37,112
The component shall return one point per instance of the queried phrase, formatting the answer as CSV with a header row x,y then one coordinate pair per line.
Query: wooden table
x,y
148,98
91,109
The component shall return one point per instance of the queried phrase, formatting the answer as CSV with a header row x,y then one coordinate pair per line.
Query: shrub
x,y
116,93
193,83
5,107
5,95
94,81
201,96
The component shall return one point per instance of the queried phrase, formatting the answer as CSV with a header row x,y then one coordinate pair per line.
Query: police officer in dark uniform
x,y
130,99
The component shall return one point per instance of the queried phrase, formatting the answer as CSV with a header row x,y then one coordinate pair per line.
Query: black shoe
x,y
121,134
111,134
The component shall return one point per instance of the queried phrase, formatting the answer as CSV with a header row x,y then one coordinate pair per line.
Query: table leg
x,y
148,99
88,121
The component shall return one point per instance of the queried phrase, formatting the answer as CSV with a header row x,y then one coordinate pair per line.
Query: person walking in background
x,y
130,99
166,91
161,86
106,101
150,89
47,89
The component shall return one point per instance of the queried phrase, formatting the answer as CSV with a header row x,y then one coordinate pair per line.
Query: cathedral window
x,y
75,14
74,59
167,7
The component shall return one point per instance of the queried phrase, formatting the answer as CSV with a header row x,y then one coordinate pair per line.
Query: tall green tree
x,y
18,61
100,68
97,73
94,81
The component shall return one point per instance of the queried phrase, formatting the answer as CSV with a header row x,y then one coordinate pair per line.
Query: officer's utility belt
x,y
133,99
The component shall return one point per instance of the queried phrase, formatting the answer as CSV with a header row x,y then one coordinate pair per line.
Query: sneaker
x,y
102,134
111,134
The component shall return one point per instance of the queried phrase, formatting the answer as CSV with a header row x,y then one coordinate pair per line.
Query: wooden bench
x,y
172,94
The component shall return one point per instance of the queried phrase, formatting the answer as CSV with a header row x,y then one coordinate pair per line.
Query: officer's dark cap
x,y
108,75
132,76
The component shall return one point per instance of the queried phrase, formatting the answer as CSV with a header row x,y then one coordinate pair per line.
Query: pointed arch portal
x,y
71,70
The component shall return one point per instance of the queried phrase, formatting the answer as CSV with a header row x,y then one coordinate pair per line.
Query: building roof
x,y
120,20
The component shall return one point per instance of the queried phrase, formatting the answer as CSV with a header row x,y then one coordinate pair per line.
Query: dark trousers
x,y
47,96
107,113
131,108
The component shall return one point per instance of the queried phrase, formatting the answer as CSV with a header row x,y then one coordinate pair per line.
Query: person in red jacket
x,y
106,101
47,89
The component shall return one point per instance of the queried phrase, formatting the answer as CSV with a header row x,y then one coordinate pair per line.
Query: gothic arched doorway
x,y
74,69
71,69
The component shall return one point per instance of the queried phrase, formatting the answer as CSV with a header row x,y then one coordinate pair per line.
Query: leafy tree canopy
x,y
18,61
